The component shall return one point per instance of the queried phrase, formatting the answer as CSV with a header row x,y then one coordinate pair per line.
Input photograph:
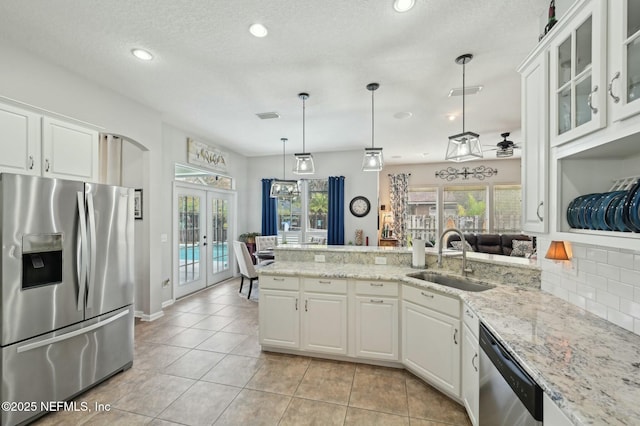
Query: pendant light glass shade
x,y
373,160
284,188
304,160
464,146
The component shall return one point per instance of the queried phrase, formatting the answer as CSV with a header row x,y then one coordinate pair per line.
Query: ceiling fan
x,y
505,147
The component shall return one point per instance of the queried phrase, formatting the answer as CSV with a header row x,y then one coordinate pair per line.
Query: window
x,y
507,209
422,220
465,208
305,216
202,177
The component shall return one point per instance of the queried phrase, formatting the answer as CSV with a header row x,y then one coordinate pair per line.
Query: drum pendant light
x,y
284,188
464,146
304,160
372,161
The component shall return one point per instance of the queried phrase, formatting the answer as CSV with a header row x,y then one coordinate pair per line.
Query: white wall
x,y
345,163
28,79
604,281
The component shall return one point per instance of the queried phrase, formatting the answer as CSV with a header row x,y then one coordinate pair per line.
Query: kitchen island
x,y
587,366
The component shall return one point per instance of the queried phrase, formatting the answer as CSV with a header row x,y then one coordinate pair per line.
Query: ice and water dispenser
x,y
41,260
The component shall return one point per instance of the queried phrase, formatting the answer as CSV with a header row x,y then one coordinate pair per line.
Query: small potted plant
x,y
249,237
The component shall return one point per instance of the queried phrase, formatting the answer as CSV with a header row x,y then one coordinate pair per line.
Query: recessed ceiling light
x,y
403,115
452,117
403,5
258,30
142,54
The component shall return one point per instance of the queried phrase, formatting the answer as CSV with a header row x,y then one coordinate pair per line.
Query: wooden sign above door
x,y
203,155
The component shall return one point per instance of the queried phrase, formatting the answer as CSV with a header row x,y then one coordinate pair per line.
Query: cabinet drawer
x,y
470,319
432,300
325,285
377,288
279,283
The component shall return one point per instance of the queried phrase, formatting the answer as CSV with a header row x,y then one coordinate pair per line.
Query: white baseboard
x,y
145,317
168,303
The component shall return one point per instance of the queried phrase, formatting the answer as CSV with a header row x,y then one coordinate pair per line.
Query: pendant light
x,y
372,161
284,188
304,160
464,146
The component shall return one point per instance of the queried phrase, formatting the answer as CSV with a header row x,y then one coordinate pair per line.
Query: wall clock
x,y
359,206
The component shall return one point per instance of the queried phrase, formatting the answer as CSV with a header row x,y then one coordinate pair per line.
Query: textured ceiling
x,y
211,77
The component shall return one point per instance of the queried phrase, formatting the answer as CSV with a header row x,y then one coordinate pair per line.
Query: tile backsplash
x,y
604,281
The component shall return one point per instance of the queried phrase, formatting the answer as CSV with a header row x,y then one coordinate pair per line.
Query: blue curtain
x,y
335,221
269,210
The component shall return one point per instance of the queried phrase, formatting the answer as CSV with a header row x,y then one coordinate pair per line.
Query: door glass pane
x,y
633,70
289,217
317,209
583,111
219,238
507,209
564,62
583,46
633,17
189,238
465,208
564,110
422,222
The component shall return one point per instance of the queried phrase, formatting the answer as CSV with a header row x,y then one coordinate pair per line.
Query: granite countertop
x,y
588,366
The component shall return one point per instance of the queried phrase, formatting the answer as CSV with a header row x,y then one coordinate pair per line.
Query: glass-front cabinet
x,y
624,50
577,72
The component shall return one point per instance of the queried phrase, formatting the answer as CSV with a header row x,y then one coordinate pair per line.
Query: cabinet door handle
x,y
376,284
324,282
296,303
469,314
46,165
538,211
306,306
31,162
278,279
376,301
427,295
615,98
594,110
455,337
473,363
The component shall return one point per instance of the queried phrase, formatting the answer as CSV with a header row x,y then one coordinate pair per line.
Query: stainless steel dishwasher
x,y
508,395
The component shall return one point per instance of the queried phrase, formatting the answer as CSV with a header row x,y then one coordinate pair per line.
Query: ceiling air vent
x,y
267,115
469,90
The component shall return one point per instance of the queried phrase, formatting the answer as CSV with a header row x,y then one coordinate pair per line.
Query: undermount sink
x,y
449,281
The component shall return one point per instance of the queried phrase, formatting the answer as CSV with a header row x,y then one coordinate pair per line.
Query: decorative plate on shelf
x,y
360,206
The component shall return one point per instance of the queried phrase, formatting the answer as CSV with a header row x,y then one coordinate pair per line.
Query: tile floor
x,y
200,364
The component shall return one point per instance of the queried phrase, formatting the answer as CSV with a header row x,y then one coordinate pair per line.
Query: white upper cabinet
x,y
69,151
577,54
624,57
19,141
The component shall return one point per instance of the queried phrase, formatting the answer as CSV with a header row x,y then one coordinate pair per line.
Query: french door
x,y
203,225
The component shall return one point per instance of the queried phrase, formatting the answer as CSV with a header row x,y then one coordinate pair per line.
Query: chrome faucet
x,y
465,270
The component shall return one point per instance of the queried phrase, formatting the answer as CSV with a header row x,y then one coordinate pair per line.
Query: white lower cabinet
x,y
376,327
431,339
279,318
324,323
470,364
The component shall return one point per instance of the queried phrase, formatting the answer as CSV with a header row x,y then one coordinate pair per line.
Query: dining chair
x,y
247,270
266,242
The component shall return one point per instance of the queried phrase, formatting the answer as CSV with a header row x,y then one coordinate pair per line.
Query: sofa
x,y
492,243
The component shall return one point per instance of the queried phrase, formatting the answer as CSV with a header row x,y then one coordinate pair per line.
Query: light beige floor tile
x,y
160,333
186,319
158,357
233,370
313,413
243,326
327,381
279,375
190,338
64,418
194,364
222,342
155,395
379,392
213,322
208,308
425,402
159,422
359,417
202,404
423,422
254,408
116,417
249,347
398,373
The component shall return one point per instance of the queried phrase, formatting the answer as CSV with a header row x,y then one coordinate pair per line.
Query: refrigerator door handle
x,y
84,251
92,250
71,334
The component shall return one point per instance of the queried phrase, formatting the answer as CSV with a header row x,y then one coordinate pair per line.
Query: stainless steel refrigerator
x,y
67,289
